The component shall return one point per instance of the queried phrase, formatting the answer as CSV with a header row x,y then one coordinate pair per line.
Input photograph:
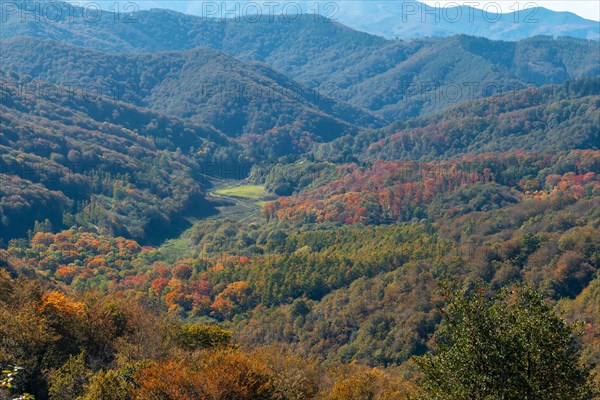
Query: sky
x,y
589,9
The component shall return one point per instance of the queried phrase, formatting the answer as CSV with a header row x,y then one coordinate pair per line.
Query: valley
x,y
239,200
193,209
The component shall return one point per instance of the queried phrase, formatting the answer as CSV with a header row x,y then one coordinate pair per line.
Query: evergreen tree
x,y
510,345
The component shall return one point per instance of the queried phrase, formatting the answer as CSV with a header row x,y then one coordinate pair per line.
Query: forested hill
x,y
203,85
547,119
74,157
462,68
161,30
394,78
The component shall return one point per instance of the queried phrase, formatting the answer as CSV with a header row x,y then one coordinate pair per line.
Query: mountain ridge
x,y
203,84
411,19
352,66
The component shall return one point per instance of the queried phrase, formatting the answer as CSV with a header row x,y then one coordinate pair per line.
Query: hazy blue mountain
x,y
412,19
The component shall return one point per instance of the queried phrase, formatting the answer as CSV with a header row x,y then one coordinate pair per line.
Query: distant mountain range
x,y
412,19
316,73
501,21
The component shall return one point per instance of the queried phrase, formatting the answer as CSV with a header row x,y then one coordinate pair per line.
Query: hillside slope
x,y
548,119
111,167
203,85
416,77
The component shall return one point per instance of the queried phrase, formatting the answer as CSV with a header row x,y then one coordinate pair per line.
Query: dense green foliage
x,y
509,346
286,179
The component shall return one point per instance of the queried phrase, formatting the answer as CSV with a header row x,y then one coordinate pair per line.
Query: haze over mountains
x,y
408,22
412,19
500,21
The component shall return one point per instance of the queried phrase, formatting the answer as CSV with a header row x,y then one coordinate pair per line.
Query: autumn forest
x,y
225,210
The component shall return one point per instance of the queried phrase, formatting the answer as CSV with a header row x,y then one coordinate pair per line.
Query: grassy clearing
x,y
252,192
